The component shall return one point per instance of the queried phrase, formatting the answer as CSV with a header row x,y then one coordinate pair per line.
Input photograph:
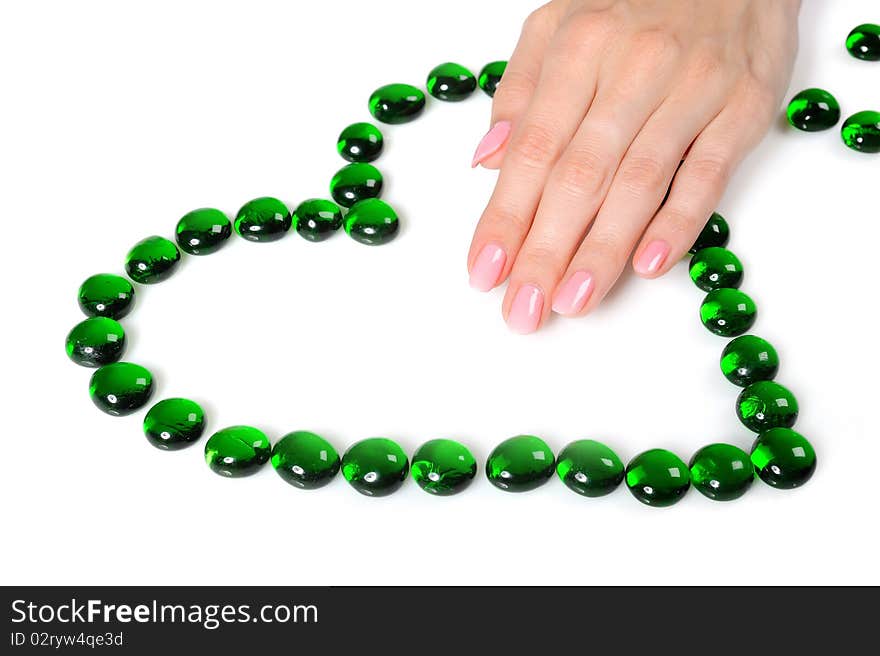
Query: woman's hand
x,y
600,103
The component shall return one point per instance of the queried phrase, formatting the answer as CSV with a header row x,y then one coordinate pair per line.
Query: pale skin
x,y
603,106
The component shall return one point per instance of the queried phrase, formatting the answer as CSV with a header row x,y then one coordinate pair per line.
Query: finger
x,y
579,181
638,188
517,86
564,92
699,184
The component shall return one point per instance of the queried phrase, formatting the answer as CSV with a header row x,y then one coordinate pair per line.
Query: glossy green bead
x,y
728,312
589,468
765,405
360,142
317,219
658,478
203,231
305,460
861,132
813,110
356,182
716,232
451,82
173,424
397,103
748,359
237,451
443,467
106,295
375,467
722,472
95,342
864,42
263,220
783,458
714,268
490,76
520,464
152,260
372,222
121,388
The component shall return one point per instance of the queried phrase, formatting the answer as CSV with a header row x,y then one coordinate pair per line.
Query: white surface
x,y
117,120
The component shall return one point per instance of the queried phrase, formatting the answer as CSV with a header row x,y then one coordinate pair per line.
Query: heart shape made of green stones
x,y
377,466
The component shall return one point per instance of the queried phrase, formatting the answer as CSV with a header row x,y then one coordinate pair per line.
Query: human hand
x,y
602,100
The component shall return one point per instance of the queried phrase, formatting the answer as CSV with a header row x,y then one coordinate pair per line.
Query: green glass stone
x,y
372,222
589,468
765,405
237,451
152,260
305,460
173,424
451,82
121,388
813,110
722,472
203,231
658,478
397,103
714,268
728,312
317,219
716,232
783,458
360,142
748,359
861,132
375,467
263,220
864,42
355,182
95,342
490,76
106,295
520,464
443,467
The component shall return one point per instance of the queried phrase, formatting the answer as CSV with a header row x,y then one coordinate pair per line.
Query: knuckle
x,y
605,248
705,64
583,173
504,218
535,144
517,85
537,19
655,45
538,257
589,24
679,223
642,174
710,169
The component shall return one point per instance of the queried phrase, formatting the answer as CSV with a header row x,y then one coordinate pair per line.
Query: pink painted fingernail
x,y
652,258
492,142
574,294
487,267
525,312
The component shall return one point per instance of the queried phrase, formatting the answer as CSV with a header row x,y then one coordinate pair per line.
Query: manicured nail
x,y
525,312
492,142
574,294
652,258
487,267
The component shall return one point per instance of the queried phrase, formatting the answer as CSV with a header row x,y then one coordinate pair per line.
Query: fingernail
x,y
487,267
652,258
574,294
492,142
525,312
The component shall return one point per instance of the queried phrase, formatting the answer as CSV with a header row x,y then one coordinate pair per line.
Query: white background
x,y
117,118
